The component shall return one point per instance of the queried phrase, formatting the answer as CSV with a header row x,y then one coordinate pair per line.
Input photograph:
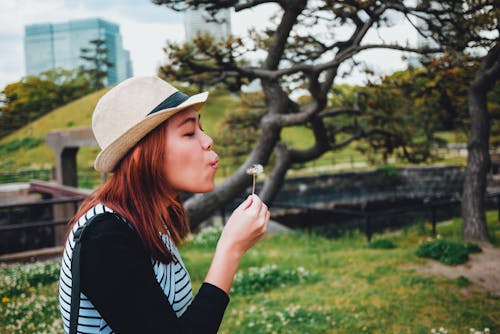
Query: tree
x,y
469,31
303,51
478,161
98,64
406,115
34,96
180,69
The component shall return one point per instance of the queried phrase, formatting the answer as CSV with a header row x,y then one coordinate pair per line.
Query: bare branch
x,y
305,113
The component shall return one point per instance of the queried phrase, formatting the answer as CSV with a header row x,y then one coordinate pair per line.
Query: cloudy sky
x,y
144,27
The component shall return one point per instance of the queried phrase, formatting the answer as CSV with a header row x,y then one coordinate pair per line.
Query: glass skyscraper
x,y
199,20
58,45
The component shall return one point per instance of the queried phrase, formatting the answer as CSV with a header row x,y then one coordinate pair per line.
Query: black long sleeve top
x,y
117,276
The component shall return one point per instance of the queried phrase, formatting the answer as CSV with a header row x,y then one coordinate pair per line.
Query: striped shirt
x,y
173,279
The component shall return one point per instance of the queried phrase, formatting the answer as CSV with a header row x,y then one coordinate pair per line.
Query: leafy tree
x,y
33,96
98,63
469,30
180,68
25,101
71,84
405,117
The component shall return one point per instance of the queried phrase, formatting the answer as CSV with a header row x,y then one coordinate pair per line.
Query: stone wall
x,y
381,185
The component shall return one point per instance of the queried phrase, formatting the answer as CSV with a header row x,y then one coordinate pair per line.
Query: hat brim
x,y
108,158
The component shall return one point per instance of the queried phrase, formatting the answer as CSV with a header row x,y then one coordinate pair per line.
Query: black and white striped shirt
x,y
173,279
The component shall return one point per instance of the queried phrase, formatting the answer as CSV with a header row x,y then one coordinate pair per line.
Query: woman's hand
x,y
245,227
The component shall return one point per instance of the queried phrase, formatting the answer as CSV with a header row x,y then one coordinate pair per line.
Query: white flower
x,y
255,170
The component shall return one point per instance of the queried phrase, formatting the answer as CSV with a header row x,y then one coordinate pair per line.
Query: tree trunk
x,y
275,180
478,162
474,227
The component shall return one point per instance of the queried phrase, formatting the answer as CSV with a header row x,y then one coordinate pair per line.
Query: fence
x,y
87,177
26,226
427,208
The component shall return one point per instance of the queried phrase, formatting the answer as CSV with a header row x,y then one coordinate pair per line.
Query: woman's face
x,y
191,163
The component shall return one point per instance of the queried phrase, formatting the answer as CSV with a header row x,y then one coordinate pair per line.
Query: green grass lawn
x,y
301,283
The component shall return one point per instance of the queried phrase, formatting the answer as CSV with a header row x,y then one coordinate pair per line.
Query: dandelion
x,y
255,170
5,300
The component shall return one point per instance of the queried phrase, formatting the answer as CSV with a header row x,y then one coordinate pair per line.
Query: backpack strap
x,y
78,238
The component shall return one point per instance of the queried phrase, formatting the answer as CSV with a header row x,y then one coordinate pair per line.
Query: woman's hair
x,y
138,191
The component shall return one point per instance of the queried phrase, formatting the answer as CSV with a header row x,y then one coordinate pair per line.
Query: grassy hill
x,y
26,149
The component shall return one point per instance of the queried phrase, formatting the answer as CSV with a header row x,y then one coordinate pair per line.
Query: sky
x,y
145,28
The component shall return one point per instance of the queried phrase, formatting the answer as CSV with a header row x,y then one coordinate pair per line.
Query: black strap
x,y
78,237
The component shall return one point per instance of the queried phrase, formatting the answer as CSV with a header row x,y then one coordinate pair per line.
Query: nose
x,y
207,142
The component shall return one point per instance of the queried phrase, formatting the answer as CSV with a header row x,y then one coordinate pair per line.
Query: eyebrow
x,y
189,119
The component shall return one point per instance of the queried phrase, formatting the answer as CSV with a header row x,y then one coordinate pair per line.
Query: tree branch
x,y
489,72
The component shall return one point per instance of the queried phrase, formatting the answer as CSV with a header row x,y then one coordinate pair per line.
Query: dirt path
x,y
482,269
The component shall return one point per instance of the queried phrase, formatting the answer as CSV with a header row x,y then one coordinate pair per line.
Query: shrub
x,y
462,281
16,280
472,248
445,251
209,237
388,170
382,244
290,319
259,279
32,314
16,144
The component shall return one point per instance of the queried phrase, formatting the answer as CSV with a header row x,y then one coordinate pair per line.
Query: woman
x,y
132,278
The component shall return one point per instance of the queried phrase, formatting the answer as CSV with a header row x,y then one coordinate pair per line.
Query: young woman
x,y
132,278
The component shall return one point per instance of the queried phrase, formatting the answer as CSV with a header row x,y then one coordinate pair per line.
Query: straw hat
x,y
129,111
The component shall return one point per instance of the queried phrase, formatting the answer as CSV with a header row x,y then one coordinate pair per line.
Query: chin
x,y
205,189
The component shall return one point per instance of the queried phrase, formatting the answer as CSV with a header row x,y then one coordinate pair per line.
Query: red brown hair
x,y
138,191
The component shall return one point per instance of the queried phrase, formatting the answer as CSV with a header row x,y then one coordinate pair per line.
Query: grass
x,y
311,285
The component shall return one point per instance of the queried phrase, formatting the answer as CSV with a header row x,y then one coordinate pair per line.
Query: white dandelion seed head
x,y
255,170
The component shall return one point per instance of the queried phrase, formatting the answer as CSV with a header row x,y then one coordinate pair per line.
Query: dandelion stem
x,y
253,184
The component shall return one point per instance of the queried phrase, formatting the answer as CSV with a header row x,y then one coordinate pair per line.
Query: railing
x,y
11,212
429,207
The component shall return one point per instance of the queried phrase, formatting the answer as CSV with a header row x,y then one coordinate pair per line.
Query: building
x,y
199,20
58,45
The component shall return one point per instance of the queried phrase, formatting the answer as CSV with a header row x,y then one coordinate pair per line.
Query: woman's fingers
x,y
256,205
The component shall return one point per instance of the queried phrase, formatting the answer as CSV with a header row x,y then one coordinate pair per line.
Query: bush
x,y
382,244
16,144
16,280
462,281
445,251
259,279
209,237
290,319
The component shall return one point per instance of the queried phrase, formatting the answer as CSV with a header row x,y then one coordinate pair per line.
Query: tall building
x,y
58,45
199,20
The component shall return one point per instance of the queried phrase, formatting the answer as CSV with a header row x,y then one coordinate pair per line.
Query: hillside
x,y
78,114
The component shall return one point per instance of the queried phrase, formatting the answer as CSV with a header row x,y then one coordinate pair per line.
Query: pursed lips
x,y
214,162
